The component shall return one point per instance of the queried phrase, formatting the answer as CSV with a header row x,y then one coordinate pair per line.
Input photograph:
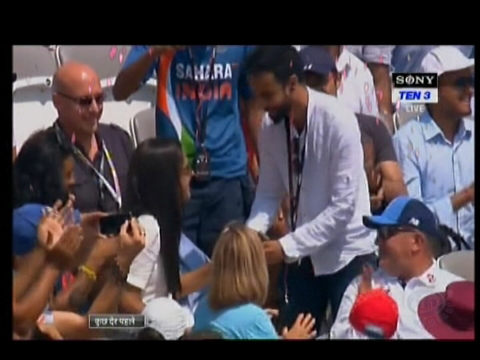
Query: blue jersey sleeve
x,y
136,52
243,87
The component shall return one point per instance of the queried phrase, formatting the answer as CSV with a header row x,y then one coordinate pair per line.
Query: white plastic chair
x,y
120,112
32,99
142,126
107,60
460,263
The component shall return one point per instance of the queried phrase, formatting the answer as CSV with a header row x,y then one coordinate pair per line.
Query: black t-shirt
x,y
90,193
374,130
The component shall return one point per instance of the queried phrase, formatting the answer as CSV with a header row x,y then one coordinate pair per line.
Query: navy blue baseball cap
x,y
317,60
25,223
405,211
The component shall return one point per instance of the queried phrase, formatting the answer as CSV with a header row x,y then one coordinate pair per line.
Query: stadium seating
x,y
105,59
32,101
142,125
460,263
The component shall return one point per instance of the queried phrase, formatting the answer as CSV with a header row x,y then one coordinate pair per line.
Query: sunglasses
x,y
85,101
387,232
464,82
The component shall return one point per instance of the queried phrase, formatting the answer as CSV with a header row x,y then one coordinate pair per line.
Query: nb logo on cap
x,y
414,221
307,67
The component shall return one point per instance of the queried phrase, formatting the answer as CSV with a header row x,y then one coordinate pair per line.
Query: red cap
x,y
375,309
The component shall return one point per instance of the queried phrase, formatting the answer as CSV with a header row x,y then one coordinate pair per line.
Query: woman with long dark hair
x,y
42,171
158,186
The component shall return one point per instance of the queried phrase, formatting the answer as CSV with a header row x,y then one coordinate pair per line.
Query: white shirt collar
x,y
428,278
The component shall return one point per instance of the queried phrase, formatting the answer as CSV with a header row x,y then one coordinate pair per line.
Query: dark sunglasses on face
x,y
387,232
85,101
463,82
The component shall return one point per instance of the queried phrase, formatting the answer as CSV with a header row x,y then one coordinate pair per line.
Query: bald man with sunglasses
x,y
101,151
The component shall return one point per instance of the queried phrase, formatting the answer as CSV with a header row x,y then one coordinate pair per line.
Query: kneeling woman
x,y
158,187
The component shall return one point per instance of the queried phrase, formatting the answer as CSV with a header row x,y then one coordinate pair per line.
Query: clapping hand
x,y
303,329
52,224
366,280
63,251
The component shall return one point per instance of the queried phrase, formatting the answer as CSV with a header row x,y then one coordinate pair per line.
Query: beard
x,y
281,114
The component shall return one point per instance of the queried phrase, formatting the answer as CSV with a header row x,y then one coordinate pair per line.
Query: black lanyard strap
x,y
294,195
200,116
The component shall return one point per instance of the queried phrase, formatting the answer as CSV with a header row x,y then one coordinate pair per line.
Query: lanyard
x,y
294,197
200,131
115,190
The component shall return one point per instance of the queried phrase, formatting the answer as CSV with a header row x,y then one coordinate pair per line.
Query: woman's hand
x,y
62,253
131,243
52,224
303,329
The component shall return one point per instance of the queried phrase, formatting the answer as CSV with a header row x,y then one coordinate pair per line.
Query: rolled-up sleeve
x,y
346,173
270,189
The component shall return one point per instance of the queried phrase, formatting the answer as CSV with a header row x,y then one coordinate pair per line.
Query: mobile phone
x,y
110,225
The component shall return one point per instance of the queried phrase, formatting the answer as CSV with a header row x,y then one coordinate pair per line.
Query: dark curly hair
x,y
38,170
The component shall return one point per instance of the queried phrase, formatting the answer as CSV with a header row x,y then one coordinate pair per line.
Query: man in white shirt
x,y
358,89
321,165
408,238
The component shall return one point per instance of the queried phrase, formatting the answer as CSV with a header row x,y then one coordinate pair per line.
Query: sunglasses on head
x,y
85,101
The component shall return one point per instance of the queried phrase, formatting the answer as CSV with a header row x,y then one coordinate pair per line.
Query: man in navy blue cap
x,y
409,239
383,171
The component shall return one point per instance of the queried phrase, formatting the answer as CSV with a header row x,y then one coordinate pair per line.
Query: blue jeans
x,y
311,294
213,204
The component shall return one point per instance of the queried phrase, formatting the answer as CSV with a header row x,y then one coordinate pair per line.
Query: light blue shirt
x,y
243,322
434,169
191,259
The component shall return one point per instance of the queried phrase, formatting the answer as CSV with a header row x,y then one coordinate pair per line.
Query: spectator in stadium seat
x,y
331,193
35,190
101,151
239,290
42,174
437,152
34,280
357,89
157,189
384,175
69,325
408,240
382,59
209,95
378,59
